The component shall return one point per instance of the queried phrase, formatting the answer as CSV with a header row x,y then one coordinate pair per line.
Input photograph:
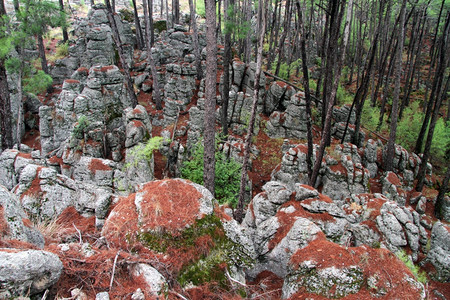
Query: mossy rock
x,y
160,25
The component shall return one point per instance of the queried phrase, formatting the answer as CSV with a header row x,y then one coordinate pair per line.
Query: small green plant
x,y
145,151
80,127
200,8
62,50
421,276
227,178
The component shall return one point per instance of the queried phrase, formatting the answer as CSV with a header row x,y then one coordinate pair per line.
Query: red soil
x,y
4,228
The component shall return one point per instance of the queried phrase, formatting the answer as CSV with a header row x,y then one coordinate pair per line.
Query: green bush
x,y
408,127
145,151
441,141
80,127
227,178
342,96
62,50
421,276
200,8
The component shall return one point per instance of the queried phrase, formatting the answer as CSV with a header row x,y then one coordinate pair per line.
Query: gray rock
x,y
28,272
305,192
102,296
439,254
388,224
14,215
156,283
8,176
330,282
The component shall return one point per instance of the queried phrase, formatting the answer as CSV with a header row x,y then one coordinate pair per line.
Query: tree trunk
x,y
64,29
335,20
137,24
307,91
389,155
197,53
123,62
439,90
150,21
5,100
210,95
286,25
20,110
238,214
175,12
156,94
226,67
41,48
440,198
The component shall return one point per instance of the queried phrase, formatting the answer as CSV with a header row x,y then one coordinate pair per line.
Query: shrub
x,y
145,151
81,127
227,177
62,50
409,126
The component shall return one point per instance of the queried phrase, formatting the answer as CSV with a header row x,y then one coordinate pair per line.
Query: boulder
x,y
439,254
168,205
27,272
14,222
156,283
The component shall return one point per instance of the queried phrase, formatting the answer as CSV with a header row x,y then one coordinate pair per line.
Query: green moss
x,y
209,267
160,25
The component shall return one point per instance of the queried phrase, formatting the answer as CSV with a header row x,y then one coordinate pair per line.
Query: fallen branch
x,y
113,270
79,233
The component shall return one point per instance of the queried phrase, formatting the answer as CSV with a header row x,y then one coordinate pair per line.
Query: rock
x,y
43,193
8,176
303,192
27,272
138,295
333,271
439,254
156,283
14,222
102,296
169,205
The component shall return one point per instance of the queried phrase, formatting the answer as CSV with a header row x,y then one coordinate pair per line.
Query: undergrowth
x,y
227,177
421,276
214,251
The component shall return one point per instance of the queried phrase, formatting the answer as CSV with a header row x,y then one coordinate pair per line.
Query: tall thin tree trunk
x,y
137,24
64,28
197,53
210,95
175,12
440,198
286,25
150,21
123,62
335,20
226,67
156,94
19,124
5,100
248,138
304,35
41,48
389,154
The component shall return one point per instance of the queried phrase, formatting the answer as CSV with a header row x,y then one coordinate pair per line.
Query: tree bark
x,y
156,94
41,47
137,24
226,67
238,214
335,21
440,198
150,21
123,62
389,154
210,95
309,155
197,53
64,29
175,12
5,100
